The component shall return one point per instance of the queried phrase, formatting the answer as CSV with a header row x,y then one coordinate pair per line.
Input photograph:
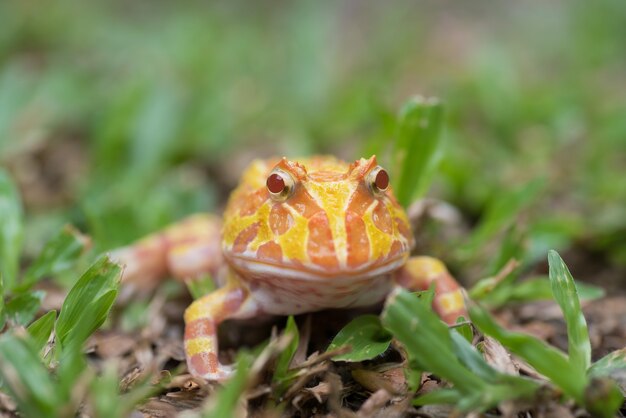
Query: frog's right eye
x,y
280,185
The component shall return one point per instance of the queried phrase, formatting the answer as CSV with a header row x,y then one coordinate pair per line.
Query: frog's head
x,y
314,219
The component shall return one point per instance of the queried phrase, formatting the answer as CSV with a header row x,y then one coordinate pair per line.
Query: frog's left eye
x,y
377,180
280,185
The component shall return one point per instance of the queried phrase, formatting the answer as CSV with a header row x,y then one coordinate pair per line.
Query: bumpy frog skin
x,y
296,236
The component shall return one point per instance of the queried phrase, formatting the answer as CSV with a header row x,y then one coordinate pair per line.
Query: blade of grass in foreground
x,y
41,329
545,359
26,379
565,293
427,339
610,364
87,304
446,353
224,402
281,373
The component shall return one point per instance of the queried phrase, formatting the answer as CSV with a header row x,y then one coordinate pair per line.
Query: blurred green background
x,y
123,116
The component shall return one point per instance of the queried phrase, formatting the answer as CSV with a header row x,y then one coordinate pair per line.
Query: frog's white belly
x,y
289,296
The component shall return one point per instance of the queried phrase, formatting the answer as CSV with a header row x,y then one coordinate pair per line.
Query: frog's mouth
x,y
248,266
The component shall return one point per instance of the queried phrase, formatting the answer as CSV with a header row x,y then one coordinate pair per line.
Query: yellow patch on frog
x,y
197,310
426,268
380,241
237,224
293,241
198,345
451,301
334,197
264,233
255,175
397,212
233,227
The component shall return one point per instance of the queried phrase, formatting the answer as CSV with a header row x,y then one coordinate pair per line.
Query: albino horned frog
x,y
295,237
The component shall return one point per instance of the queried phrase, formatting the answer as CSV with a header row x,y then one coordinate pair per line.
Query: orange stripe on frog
x,y
280,219
360,200
199,328
358,244
396,248
320,245
252,202
304,203
203,363
245,237
270,251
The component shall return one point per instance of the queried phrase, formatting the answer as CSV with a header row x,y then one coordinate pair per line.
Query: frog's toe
x,y
207,367
221,374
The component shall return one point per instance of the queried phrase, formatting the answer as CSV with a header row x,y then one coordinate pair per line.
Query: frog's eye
x,y
377,180
280,185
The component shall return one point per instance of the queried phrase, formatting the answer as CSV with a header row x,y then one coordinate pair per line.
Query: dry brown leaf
x,y
496,355
391,379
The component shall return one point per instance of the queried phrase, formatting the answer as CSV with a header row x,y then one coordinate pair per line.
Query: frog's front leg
x,y
202,318
420,272
185,250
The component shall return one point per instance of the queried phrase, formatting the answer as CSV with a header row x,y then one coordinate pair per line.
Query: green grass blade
x,y
365,335
603,398
512,247
501,213
613,366
285,357
609,364
105,397
41,329
94,315
438,397
427,340
472,359
58,255
72,369
2,305
417,147
517,387
529,290
566,295
104,393
11,230
201,286
224,401
23,308
540,288
545,359
89,301
26,379
464,328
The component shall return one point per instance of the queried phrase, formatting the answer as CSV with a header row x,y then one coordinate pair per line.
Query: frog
x,y
296,236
